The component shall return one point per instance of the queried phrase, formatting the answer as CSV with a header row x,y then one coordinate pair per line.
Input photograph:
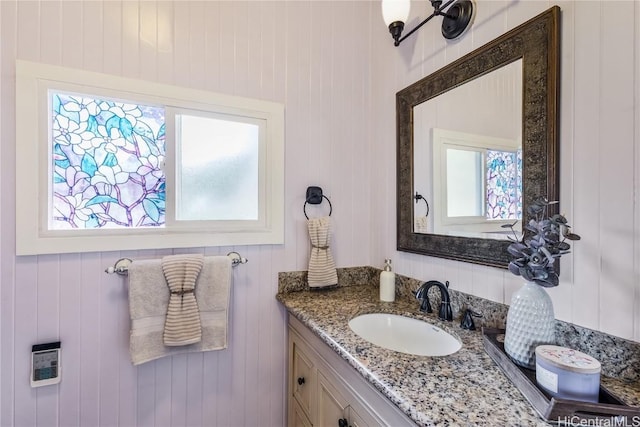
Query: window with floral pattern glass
x,y
107,159
112,163
504,184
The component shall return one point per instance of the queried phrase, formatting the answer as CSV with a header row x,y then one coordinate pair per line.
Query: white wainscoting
x,y
312,56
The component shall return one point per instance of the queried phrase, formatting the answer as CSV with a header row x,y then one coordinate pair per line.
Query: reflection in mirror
x,y
468,157
456,126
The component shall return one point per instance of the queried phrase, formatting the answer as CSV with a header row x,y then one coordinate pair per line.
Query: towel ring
x,y
304,209
314,197
418,197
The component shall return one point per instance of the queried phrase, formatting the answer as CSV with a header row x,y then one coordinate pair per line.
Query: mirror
x,y
445,144
469,171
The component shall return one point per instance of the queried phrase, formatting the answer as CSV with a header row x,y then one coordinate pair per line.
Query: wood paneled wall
x,y
599,155
333,65
314,57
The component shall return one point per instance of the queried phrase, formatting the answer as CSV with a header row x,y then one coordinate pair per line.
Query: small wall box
x,y
45,364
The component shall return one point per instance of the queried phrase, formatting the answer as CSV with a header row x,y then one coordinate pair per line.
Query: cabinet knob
x,y
300,380
342,422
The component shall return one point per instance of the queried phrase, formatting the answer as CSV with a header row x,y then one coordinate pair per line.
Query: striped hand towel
x,y
421,225
322,269
182,325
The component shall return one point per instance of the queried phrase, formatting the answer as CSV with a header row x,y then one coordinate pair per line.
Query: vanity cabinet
x,y
324,390
303,377
332,406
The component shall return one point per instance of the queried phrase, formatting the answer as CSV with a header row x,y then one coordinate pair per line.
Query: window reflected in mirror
x,y
468,157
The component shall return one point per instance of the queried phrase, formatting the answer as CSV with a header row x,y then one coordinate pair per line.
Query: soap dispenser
x,y
387,283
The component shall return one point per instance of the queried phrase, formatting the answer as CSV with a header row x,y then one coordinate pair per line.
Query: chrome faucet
x,y
422,294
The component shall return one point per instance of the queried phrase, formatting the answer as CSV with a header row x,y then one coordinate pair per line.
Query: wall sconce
x,y
457,17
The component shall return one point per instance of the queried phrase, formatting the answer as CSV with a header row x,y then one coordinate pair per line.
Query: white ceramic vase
x,y
530,323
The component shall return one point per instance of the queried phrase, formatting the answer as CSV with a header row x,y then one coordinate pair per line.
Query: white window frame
x,y
33,154
443,139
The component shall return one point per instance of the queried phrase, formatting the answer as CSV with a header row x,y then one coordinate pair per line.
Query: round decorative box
x,y
567,373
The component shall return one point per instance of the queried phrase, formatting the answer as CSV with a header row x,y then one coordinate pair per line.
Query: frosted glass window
x,y
217,169
464,183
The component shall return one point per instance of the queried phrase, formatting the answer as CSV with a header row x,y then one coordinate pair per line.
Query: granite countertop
x,y
463,389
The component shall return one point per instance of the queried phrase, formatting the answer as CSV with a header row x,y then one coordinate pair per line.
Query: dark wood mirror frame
x,y
537,43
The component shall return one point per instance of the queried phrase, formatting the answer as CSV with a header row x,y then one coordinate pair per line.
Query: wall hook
x,y
314,196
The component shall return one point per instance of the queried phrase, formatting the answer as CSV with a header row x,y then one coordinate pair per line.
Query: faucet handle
x,y
467,319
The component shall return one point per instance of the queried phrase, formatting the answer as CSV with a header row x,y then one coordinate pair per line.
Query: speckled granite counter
x,y
463,389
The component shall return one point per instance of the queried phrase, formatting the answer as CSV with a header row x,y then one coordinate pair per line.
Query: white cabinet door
x,y
297,417
332,406
302,378
355,420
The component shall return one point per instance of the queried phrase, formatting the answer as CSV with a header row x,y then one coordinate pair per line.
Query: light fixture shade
x,y
395,11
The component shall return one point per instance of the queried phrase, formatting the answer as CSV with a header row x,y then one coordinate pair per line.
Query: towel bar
x,y
121,267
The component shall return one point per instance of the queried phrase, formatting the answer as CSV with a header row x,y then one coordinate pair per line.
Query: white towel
x,y
421,225
149,299
322,269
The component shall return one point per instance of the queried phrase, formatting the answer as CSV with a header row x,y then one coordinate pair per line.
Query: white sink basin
x,y
404,334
